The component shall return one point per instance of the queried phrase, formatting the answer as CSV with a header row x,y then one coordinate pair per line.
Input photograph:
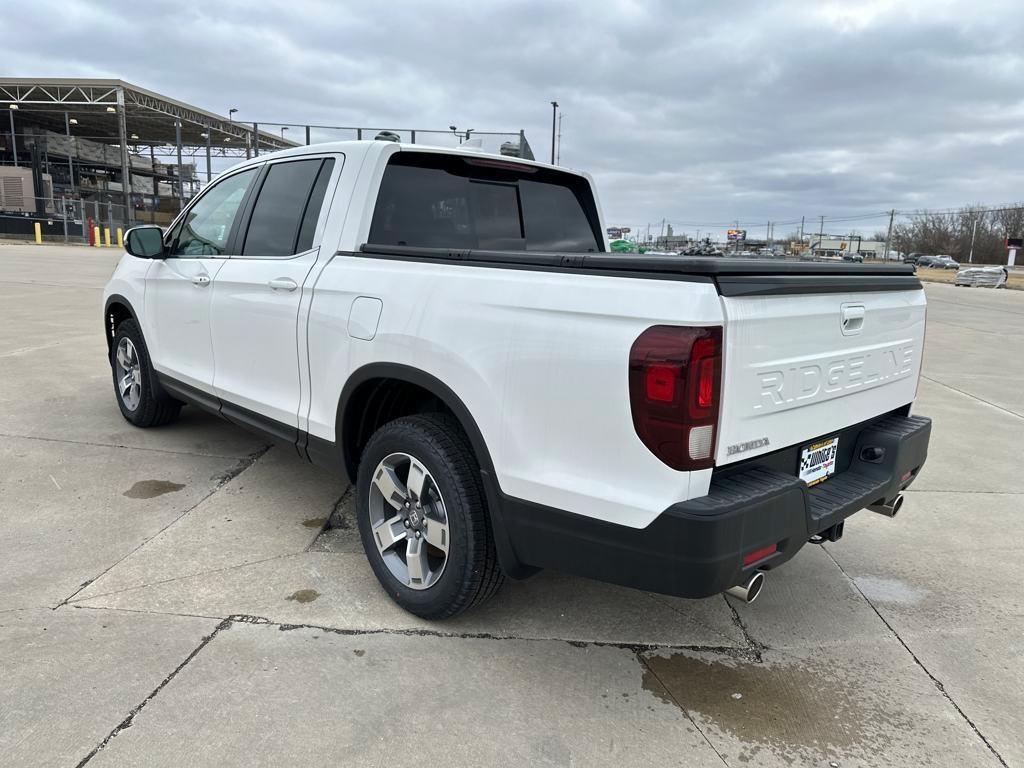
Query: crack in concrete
x,y
181,577
684,710
127,722
221,481
973,397
755,647
731,651
125,447
935,681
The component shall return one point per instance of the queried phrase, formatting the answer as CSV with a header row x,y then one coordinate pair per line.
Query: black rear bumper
x,y
696,548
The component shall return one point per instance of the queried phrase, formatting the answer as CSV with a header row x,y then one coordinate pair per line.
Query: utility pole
x,y
554,116
888,235
974,231
821,232
801,230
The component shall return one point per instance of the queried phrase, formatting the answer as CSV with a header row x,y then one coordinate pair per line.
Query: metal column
x,y
255,139
14,138
71,167
126,173
209,170
181,178
307,136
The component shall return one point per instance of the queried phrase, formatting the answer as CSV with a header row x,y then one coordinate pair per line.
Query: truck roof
x,y
366,146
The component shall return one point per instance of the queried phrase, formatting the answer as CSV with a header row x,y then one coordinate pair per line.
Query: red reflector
x,y
661,383
907,476
760,554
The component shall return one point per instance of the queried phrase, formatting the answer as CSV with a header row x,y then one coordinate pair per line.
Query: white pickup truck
x,y
447,329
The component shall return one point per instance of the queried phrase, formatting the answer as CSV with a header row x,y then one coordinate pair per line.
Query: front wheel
x,y
133,380
423,519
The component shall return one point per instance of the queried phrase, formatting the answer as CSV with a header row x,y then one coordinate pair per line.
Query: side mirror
x,y
145,242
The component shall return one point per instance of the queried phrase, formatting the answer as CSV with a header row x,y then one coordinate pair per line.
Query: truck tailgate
x,y
800,366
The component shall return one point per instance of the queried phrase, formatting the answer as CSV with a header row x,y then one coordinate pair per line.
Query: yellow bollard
x,y
39,233
120,238
96,237
106,236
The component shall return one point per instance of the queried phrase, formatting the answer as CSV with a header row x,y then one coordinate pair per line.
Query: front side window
x,y
207,225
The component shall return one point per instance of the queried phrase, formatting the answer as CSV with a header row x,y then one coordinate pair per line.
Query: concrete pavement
x,y
186,595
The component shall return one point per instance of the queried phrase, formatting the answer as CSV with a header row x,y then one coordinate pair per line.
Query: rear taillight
x,y
675,381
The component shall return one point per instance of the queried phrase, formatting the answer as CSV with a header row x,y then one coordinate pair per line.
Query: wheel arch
x,y
116,309
364,381
349,418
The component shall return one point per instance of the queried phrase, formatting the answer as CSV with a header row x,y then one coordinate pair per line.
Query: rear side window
x,y
444,201
285,214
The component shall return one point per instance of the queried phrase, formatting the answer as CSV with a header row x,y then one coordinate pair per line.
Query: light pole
x,y
455,132
231,113
469,131
283,129
554,117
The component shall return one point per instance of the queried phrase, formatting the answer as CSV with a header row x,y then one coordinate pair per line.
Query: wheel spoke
x,y
417,477
136,392
126,384
390,487
122,358
437,534
416,561
389,533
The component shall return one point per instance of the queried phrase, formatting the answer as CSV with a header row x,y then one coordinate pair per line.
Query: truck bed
x,y
733,277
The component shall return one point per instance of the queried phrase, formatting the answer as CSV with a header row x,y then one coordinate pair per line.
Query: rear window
x,y
444,201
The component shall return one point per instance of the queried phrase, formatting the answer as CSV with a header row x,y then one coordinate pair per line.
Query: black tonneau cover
x,y
732,276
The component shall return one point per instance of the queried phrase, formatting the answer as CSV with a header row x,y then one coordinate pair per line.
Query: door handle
x,y
200,280
283,284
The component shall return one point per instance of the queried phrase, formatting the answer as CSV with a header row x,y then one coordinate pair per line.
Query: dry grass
x,y
930,275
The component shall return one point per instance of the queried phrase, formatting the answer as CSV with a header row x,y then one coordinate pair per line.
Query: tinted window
x,y
555,220
207,225
313,207
440,201
277,216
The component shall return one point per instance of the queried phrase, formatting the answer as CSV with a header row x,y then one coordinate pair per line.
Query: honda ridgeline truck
x,y
448,330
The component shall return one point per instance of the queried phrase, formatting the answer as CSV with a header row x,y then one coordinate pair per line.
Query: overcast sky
x,y
697,112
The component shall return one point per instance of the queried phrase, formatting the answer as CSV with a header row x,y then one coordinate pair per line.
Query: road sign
x,y
736,234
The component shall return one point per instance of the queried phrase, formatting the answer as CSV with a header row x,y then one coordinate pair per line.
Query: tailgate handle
x,y
853,318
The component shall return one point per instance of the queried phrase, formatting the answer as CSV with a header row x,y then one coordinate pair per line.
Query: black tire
x,y
153,409
471,573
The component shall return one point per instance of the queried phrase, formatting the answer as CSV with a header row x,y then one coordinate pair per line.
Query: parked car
x,y
945,262
855,257
926,261
911,258
444,328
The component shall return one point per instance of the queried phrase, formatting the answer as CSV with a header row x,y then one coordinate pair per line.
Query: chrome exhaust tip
x,y
748,592
890,509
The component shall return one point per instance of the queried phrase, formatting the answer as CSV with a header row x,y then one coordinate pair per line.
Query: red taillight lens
x,y
674,386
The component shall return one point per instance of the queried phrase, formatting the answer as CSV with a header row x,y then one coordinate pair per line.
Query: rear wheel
x,y
133,380
423,519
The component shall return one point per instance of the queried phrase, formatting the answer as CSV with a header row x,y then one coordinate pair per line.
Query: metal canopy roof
x,y
149,117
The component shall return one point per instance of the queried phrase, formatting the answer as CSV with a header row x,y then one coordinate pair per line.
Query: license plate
x,y
818,461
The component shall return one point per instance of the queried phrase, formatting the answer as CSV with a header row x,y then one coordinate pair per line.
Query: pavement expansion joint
x,y
220,481
935,681
127,722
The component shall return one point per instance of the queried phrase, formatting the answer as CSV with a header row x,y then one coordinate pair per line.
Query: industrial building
x,y
81,152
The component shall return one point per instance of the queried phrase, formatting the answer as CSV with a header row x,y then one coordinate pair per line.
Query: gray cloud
x,y
695,112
